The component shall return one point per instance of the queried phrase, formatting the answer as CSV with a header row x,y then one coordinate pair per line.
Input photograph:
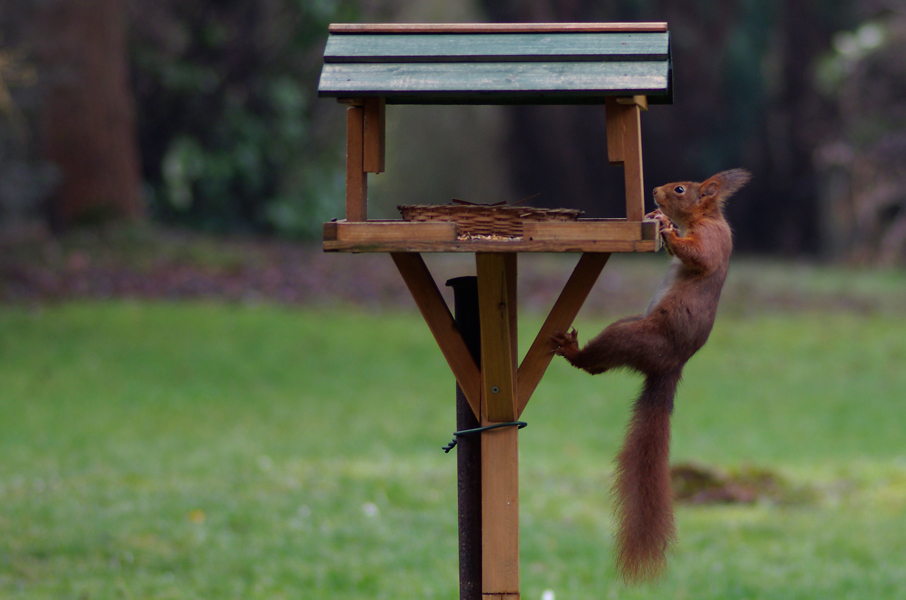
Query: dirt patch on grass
x,y
698,484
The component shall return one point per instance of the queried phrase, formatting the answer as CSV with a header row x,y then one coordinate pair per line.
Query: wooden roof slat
x,y
498,63
494,82
475,47
340,28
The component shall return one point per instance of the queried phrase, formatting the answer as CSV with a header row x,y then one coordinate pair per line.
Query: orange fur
x,y
658,344
642,488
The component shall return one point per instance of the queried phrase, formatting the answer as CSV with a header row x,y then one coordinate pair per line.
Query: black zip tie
x,y
452,444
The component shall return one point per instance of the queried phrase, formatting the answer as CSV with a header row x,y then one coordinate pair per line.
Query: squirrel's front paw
x,y
661,218
566,344
666,228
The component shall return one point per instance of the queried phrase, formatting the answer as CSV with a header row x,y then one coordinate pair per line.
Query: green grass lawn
x,y
225,451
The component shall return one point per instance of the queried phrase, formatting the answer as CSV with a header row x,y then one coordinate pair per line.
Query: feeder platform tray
x,y
584,235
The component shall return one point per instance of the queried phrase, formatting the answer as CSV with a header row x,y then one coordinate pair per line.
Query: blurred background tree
x,y
84,116
744,96
861,159
232,138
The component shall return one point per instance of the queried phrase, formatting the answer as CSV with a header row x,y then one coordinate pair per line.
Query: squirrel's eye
x,y
679,189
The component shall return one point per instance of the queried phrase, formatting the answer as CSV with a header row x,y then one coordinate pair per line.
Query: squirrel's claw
x,y
661,218
665,227
565,343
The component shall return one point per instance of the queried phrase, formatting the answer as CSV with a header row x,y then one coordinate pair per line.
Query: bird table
x,y
623,66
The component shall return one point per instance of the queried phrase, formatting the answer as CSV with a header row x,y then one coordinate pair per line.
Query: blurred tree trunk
x,y
745,96
87,117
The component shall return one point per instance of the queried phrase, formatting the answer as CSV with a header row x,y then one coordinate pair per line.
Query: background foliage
x,y
234,139
229,120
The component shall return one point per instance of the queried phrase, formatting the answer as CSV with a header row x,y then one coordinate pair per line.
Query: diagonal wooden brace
x,y
574,293
437,315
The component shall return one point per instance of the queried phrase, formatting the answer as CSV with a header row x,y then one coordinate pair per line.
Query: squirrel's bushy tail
x,y
644,498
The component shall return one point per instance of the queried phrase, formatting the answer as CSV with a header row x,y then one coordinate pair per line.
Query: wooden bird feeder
x,y
623,66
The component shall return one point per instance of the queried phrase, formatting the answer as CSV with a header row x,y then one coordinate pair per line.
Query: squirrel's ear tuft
x,y
710,187
726,182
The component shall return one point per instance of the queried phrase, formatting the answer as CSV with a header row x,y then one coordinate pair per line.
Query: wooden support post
x,y
560,318
500,514
499,447
624,147
356,178
374,135
497,304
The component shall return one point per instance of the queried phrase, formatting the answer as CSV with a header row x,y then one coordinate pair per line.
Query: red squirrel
x,y
658,344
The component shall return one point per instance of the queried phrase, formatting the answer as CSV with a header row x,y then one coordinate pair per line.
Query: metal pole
x,y
468,448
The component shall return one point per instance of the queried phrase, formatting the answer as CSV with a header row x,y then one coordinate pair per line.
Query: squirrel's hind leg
x,y
635,342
